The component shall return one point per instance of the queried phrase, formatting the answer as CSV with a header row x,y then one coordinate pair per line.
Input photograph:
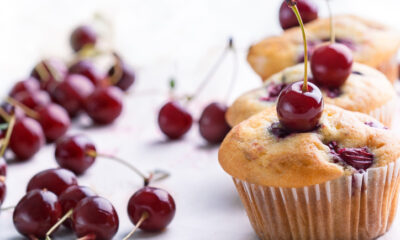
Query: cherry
x,y
331,64
104,105
71,153
3,167
11,110
127,76
173,120
86,68
72,92
308,11
70,198
298,110
95,217
49,73
3,189
33,100
36,213
27,138
212,123
155,205
82,36
55,121
27,85
359,158
55,180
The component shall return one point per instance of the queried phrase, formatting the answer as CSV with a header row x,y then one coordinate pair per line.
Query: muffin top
x,y
260,151
372,43
365,90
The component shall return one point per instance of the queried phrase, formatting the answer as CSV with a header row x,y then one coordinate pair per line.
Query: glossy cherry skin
x,y
86,68
212,123
27,85
36,213
55,180
71,153
81,36
308,11
27,138
33,100
10,110
72,92
300,111
104,105
70,198
52,67
54,120
173,120
95,216
3,167
127,79
331,64
157,203
3,189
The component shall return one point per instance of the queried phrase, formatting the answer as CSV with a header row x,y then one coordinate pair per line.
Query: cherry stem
x,y
331,29
118,71
44,74
7,208
58,223
90,236
296,12
7,138
143,218
234,69
28,111
4,115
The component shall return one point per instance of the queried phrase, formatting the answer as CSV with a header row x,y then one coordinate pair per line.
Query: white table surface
x,y
160,39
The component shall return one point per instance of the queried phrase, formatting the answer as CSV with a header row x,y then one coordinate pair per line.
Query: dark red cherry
x,y
96,217
104,105
36,213
331,64
157,203
212,124
27,138
3,167
173,120
27,85
55,180
308,10
3,189
11,110
55,121
33,100
70,198
81,36
86,68
127,78
71,153
72,92
53,71
359,158
300,111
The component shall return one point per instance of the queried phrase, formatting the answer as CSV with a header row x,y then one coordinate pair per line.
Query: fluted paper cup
x,y
385,113
361,206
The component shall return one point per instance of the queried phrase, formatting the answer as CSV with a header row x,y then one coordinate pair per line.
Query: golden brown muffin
x,y
372,44
366,91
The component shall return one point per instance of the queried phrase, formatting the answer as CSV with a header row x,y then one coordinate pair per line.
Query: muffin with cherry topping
x,y
365,90
337,180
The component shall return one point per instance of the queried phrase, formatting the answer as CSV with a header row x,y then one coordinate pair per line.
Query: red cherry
x,y
86,68
72,92
300,111
173,120
308,11
36,213
70,198
95,217
157,203
71,153
3,190
3,167
27,138
11,110
212,123
53,72
81,36
28,85
55,180
55,121
33,100
331,64
104,105
127,79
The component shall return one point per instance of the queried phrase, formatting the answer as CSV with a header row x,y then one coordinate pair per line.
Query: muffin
x,y
366,90
340,181
372,44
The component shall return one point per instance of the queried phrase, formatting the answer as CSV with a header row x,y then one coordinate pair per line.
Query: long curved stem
x,y
234,71
7,138
58,223
331,29
144,216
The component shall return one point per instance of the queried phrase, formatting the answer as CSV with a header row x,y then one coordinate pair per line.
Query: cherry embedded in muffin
x,y
359,158
375,124
273,91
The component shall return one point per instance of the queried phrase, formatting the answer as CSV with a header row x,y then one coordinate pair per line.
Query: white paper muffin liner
x,y
385,114
361,206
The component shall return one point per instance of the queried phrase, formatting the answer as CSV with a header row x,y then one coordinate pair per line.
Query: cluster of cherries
x,y
175,121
